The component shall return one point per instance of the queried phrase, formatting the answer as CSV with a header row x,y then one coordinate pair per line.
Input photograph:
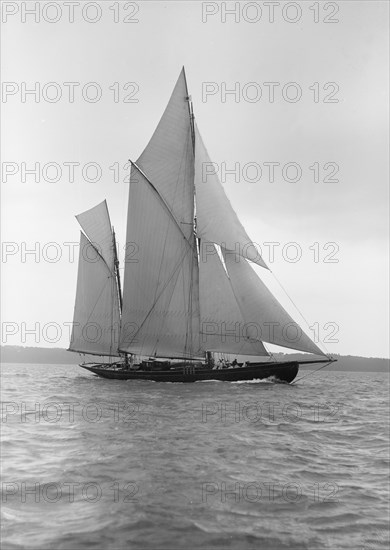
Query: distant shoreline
x,y
59,356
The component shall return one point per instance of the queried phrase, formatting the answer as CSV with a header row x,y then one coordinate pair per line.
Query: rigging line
x,y
309,373
160,294
184,155
234,294
192,289
114,295
117,275
191,246
163,257
190,111
98,298
271,355
99,354
190,163
187,165
298,310
167,304
164,203
94,247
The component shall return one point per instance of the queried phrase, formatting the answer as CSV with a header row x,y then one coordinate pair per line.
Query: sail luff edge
x,y
163,202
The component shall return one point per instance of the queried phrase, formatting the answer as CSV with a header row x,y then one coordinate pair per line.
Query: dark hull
x,y
283,372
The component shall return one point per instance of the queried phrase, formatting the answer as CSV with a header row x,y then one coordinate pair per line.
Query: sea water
x,y
93,463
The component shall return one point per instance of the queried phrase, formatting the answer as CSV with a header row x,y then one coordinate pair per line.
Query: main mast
x,y
195,247
117,274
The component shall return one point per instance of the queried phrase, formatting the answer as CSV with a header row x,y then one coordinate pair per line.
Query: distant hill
x,y
33,355
346,363
59,356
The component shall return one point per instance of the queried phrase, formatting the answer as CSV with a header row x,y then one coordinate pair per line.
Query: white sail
x,y
222,324
96,224
216,220
160,300
268,320
96,314
178,302
168,159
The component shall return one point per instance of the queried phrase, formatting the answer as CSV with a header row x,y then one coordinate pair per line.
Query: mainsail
x,y
188,283
160,300
96,314
161,289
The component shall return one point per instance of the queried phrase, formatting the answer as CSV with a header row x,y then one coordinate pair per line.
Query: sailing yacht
x,y
190,293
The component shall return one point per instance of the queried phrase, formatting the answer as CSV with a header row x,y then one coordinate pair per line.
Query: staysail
x,y
268,320
223,327
96,314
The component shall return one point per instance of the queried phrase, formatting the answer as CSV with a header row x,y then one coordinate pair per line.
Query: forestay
x,y
216,220
270,322
223,327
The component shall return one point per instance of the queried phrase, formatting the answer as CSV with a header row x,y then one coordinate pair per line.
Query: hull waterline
x,y
282,372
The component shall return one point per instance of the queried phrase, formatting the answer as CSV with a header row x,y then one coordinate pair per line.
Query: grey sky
x,y
352,133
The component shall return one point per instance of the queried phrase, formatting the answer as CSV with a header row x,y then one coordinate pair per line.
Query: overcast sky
x,y
343,123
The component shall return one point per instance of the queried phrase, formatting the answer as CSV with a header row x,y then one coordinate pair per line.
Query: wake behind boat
x,y
190,291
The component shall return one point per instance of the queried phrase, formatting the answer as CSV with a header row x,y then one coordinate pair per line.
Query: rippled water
x,y
94,463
